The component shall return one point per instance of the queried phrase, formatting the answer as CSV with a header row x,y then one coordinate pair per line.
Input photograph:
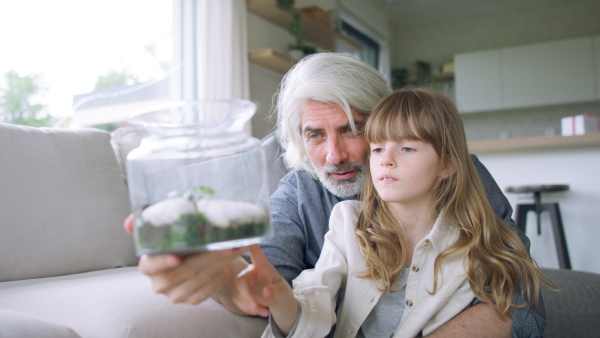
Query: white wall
x,y
580,207
264,82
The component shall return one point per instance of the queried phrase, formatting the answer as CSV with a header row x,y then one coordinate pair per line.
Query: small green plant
x,y
295,27
199,192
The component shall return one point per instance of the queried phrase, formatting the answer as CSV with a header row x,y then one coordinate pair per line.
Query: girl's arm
x,y
260,286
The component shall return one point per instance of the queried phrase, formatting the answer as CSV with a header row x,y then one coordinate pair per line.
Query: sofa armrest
x,y
573,311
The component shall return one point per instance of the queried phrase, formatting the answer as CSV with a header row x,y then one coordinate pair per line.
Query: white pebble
x,y
167,212
224,213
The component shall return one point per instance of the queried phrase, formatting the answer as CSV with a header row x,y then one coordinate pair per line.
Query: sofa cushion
x,y
15,324
121,303
63,201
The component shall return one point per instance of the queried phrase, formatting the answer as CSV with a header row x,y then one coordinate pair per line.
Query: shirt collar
x,y
442,235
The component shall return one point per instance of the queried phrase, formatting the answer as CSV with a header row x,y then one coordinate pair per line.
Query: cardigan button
x,y
415,268
409,303
426,243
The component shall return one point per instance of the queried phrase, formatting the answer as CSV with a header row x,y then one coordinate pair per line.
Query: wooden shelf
x,y
313,30
534,143
272,59
442,76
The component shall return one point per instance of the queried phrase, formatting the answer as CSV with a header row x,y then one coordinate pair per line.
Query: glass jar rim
x,y
164,115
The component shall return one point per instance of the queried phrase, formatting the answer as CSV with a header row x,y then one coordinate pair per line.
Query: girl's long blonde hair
x,y
496,260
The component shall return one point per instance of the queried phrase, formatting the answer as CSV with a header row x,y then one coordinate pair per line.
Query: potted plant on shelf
x,y
299,48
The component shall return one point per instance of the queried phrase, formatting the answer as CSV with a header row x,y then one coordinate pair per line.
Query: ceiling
x,y
410,12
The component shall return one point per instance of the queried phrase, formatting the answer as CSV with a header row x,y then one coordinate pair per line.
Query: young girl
x,y
422,244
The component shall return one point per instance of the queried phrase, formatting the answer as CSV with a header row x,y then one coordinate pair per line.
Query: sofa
x,y
67,268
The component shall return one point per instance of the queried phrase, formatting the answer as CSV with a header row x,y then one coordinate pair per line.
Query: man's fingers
x,y
194,278
128,224
204,278
243,297
150,265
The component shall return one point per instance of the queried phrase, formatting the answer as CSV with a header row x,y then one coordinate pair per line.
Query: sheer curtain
x,y
210,44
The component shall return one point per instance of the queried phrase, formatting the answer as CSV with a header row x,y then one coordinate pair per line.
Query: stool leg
x,y
537,200
559,236
521,217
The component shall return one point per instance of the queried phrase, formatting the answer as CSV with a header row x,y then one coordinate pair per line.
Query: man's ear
x,y
449,168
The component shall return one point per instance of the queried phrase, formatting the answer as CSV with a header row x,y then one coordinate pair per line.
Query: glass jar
x,y
197,181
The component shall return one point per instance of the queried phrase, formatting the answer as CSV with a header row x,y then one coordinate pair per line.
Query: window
x,y
370,47
66,56
373,38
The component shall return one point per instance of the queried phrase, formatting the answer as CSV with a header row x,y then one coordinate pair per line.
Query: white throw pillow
x,y
62,203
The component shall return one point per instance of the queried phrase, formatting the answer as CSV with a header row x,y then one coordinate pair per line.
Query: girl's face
x,y
404,172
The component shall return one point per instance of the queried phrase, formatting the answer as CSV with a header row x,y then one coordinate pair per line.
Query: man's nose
x,y
336,153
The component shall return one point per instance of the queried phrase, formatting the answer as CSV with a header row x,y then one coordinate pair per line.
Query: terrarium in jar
x,y
197,181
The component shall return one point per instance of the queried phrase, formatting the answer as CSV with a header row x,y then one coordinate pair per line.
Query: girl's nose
x,y
387,160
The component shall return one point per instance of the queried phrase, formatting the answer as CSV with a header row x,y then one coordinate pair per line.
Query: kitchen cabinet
x,y
542,74
548,73
477,81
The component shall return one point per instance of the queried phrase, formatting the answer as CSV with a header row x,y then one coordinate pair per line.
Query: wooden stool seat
x,y
538,207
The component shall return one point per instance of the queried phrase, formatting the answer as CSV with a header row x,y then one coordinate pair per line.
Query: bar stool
x,y
538,207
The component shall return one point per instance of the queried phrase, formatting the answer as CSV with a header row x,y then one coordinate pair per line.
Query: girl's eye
x,y
407,149
377,150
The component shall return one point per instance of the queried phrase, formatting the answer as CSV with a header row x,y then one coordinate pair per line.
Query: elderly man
x,y
322,106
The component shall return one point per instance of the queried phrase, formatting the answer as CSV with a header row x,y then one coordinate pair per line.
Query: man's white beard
x,y
341,188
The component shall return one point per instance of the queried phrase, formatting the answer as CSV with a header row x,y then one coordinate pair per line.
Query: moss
x,y
192,232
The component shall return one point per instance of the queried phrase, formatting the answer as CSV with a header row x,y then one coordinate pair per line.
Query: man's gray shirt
x,y
301,207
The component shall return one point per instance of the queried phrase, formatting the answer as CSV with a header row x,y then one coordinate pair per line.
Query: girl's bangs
x,y
392,123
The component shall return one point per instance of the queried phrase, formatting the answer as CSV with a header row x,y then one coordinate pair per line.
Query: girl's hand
x,y
260,288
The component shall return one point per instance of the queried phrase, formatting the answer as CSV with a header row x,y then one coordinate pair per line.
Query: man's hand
x,y
194,278
480,320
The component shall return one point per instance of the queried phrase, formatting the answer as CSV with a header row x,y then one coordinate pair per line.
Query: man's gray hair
x,y
333,78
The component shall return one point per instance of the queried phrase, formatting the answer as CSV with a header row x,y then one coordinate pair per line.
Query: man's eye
x,y
313,136
359,130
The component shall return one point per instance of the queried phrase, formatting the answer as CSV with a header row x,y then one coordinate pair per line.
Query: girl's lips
x,y
344,175
387,178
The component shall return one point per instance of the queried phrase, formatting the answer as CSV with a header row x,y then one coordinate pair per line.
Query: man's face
x,y
336,153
